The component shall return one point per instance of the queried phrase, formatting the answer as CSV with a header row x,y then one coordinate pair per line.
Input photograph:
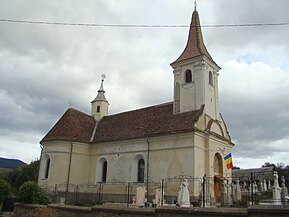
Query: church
x,y
186,137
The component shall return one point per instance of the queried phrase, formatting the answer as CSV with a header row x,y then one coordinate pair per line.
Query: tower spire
x,y
100,96
195,45
196,75
99,106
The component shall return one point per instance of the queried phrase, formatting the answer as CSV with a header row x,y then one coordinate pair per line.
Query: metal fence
x,y
257,188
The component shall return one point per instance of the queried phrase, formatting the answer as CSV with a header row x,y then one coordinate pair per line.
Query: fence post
x,y
128,197
162,192
99,189
55,193
252,196
204,191
76,194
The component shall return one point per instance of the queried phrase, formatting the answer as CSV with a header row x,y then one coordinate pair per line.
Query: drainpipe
x,y
148,157
40,172
69,168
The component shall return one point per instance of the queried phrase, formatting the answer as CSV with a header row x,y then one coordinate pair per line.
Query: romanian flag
x,y
228,161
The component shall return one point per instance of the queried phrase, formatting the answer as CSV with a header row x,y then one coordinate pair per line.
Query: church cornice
x,y
197,62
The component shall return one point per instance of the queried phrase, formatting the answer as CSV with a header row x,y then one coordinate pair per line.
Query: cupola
x,y
99,106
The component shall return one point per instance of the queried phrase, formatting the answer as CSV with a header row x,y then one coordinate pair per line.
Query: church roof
x,y
72,126
195,45
151,121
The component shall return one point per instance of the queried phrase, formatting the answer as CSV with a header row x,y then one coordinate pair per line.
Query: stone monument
x,y
237,193
284,191
265,185
184,195
276,190
224,194
158,197
140,196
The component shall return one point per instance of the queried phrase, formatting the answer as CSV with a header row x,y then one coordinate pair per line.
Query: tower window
x,y
188,76
47,168
104,171
211,82
140,170
98,109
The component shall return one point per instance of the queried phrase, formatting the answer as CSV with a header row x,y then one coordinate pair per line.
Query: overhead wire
x,y
140,25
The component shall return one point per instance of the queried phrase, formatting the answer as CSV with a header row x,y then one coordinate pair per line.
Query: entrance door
x,y
217,189
218,173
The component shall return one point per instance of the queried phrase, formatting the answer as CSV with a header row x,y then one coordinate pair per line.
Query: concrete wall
x,y
106,211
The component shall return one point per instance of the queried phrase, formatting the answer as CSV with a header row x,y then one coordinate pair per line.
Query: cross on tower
x,y
103,76
195,3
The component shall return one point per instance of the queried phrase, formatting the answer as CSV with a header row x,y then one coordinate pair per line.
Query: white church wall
x,y
60,154
169,156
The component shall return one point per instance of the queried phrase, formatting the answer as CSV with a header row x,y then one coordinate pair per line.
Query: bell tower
x,y
99,106
196,75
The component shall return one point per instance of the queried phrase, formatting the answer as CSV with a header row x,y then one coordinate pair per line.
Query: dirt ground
x,y
43,212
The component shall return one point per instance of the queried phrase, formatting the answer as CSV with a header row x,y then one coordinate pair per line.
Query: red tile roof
x,y
150,121
146,122
195,45
72,126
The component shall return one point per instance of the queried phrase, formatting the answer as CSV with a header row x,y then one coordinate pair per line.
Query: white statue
x,y
184,195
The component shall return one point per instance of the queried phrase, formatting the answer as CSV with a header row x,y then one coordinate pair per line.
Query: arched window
x,y
188,76
140,170
101,170
47,167
211,82
104,171
218,165
98,109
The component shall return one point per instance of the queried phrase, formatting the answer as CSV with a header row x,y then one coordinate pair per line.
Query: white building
x,y
187,136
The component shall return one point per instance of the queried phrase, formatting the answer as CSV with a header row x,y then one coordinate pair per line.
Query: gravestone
x,y
269,185
224,196
276,190
237,195
284,191
140,196
158,197
265,185
261,184
184,195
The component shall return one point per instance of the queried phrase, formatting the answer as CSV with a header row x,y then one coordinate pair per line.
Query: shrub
x,y
31,193
4,189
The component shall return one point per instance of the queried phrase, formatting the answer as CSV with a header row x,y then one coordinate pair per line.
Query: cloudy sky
x,y
46,68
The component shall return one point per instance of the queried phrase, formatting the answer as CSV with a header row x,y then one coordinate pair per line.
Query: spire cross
x,y
103,76
195,3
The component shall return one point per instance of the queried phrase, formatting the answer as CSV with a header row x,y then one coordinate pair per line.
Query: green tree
x,y
281,169
4,189
24,173
31,193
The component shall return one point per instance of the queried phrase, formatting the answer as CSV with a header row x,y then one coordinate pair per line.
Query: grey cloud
x,y
42,68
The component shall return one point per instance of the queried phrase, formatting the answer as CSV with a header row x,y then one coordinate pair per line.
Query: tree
x,y
24,173
4,189
281,169
31,193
